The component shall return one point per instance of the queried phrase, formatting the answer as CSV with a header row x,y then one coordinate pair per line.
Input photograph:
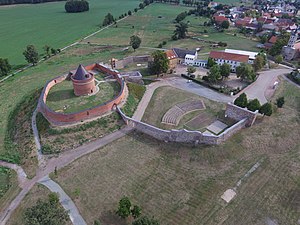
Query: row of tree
x,y
13,2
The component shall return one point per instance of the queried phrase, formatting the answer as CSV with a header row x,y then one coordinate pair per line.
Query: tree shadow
x,y
60,95
110,217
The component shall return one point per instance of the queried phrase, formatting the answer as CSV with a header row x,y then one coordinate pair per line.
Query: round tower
x,y
83,82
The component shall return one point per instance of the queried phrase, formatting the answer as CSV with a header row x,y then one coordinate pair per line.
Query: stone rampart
x,y
182,136
237,113
60,119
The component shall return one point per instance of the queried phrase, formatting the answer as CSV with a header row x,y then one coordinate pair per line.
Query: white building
x,y
233,59
190,59
252,55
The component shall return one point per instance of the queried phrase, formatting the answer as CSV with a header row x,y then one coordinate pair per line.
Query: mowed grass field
x,y
49,24
181,184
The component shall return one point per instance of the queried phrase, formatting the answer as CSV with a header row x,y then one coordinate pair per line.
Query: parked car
x,y
192,76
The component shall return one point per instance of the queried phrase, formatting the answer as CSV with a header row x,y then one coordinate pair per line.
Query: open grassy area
x,y
180,184
156,24
8,186
166,97
61,97
49,24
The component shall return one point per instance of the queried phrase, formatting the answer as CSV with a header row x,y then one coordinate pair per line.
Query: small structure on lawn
x,y
83,82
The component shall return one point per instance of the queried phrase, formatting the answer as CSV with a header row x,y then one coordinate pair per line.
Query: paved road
x,y
65,200
22,176
262,88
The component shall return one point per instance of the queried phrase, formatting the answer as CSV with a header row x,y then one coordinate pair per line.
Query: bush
x,y
160,45
241,101
266,109
74,6
253,105
280,102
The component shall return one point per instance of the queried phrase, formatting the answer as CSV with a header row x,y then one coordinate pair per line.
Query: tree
x,y
46,212
108,19
281,41
210,62
241,101
47,50
124,207
259,62
97,222
129,13
225,24
214,74
141,5
191,70
245,71
225,70
266,109
31,54
75,6
136,211
180,30
253,105
5,67
181,17
278,59
160,63
280,102
145,221
135,42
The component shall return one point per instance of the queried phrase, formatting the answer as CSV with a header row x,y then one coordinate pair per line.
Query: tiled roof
x,y
81,73
220,19
171,54
229,56
273,39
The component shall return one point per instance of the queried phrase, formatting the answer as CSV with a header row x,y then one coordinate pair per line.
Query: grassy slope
x,y
180,184
47,23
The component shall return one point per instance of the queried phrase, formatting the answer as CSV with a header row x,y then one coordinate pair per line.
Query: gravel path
x,y
65,200
22,176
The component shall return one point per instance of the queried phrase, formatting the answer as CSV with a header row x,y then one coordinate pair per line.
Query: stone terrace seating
x,y
174,114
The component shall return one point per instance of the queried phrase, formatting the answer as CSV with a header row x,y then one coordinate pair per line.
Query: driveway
x,y
262,88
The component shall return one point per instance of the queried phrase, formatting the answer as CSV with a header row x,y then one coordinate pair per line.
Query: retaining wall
x,y
238,113
59,119
182,136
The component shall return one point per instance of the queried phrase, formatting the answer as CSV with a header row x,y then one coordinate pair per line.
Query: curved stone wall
x,y
60,119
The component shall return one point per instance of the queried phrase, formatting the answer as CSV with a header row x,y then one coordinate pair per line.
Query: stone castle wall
x,y
237,113
60,119
183,136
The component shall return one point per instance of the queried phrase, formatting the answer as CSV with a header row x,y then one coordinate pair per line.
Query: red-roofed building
x,y
273,39
234,60
242,22
173,58
220,19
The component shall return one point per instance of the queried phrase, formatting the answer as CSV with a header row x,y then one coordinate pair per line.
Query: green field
x,y
47,23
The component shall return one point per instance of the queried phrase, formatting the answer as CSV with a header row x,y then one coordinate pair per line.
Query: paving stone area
x,y
217,127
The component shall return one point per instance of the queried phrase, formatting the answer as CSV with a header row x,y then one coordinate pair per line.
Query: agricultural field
x,y
49,24
181,184
166,97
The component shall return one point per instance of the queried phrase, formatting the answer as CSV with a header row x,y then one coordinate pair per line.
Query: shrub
x,y
241,101
266,109
280,102
253,105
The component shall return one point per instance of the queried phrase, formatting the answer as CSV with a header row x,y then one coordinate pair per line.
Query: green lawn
x,y
47,23
61,97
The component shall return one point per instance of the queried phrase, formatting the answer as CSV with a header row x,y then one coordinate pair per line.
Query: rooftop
x,y
81,73
229,56
251,55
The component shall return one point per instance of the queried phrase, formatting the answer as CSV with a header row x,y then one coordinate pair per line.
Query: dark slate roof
x,y
81,73
182,52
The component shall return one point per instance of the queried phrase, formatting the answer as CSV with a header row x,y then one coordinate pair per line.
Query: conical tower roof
x,y
81,73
